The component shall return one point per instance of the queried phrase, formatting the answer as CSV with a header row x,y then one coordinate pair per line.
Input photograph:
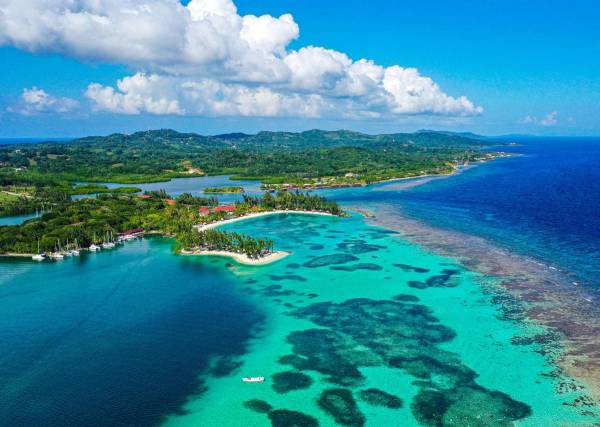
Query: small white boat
x,y
75,252
94,248
57,256
108,245
253,379
39,256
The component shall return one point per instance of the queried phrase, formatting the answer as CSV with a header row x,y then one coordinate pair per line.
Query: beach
x,y
241,258
202,227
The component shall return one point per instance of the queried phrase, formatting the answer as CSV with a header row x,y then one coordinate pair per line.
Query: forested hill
x,y
285,140
162,154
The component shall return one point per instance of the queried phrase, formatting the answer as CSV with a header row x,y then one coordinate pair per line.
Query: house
x,y
145,196
203,210
351,175
224,208
170,202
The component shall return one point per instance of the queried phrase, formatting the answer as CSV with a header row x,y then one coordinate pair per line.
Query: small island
x,y
223,190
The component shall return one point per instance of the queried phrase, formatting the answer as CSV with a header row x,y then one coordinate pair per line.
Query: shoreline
x,y
238,257
542,292
202,227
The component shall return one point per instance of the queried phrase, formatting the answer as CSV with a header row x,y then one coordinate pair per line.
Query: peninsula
x,y
94,222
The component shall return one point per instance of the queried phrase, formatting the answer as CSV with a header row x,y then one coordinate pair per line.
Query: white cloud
x,y
550,119
206,59
37,101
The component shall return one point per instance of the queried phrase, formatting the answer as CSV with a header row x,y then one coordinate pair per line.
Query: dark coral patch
x,y
332,259
287,277
406,298
358,246
359,266
340,404
322,350
316,247
276,291
287,418
293,265
411,268
284,382
443,280
258,405
376,397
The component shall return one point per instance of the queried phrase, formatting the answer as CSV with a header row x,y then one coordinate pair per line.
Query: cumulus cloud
x,y
37,101
206,59
550,119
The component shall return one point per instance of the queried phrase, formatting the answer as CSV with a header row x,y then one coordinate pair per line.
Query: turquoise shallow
x,y
357,327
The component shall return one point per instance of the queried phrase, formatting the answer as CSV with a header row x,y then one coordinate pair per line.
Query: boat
x,y
57,254
39,256
253,379
67,252
108,243
94,248
75,252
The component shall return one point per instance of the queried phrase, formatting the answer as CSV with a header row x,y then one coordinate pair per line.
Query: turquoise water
x,y
356,327
16,219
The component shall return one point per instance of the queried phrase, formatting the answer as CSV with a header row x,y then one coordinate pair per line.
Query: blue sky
x,y
532,67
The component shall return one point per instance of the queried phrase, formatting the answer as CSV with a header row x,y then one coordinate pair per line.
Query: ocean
x,y
360,326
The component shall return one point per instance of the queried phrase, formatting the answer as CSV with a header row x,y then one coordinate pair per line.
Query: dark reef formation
x,y
398,334
284,382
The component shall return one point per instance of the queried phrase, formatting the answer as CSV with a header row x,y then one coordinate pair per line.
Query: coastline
x,y
240,258
202,227
533,292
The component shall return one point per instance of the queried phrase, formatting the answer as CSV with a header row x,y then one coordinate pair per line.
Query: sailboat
x,y
39,256
57,254
75,252
108,244
67,252
93,247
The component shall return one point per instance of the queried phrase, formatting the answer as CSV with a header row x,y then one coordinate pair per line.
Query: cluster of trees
x,y
224,190
296,200
86,220
215,240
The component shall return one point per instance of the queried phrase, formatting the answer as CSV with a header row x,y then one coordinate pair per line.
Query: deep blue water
x,y
545,203
116,338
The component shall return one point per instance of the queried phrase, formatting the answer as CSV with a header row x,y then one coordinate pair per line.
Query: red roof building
x,y
145,196
203,210
224,208
170,202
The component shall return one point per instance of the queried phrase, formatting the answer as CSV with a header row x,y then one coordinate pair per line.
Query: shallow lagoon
x,y
442,350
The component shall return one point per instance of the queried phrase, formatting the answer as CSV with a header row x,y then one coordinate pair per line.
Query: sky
x,y
89,67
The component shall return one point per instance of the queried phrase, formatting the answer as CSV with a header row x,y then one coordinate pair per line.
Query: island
x,y
224,190
113,218
42,176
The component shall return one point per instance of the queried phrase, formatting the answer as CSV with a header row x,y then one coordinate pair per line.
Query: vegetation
x,y
215,240
224,190
89,220
269,156
98,189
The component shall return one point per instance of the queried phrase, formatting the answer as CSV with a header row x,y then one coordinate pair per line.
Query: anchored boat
x,y
253,379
